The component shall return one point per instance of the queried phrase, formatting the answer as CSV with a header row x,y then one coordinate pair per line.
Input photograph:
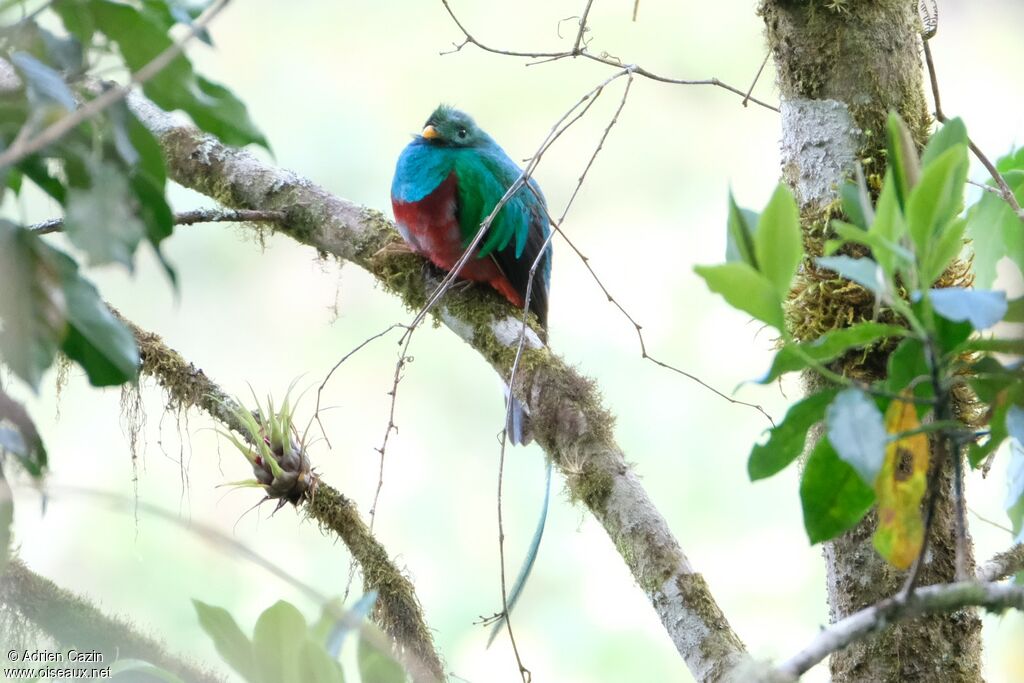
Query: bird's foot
x,y
393,248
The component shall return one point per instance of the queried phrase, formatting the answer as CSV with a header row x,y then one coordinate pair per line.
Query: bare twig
x,y
403,359
757,77
580,51
327,378
1003,188
185,218
62,126
935,599
578,45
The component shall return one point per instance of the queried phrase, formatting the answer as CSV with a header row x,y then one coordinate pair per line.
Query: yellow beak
x,y
430,133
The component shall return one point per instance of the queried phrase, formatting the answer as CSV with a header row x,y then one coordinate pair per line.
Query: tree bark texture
x,y
842,66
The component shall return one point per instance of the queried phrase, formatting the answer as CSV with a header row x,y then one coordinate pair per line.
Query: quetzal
x,y
447,181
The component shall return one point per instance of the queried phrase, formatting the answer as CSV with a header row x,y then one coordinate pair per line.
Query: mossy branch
x,y
568,419
1003,565
397,610
73,621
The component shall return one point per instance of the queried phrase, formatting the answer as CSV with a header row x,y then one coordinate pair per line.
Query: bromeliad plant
x,y
274,450
947,375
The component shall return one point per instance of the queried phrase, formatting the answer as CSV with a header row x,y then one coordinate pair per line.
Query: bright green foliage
x,y
857,432
377,665
108,176
777,242
742,225
746,289
794,356
832,494
914,232
786,441
763,262
993,226
47,305
283,649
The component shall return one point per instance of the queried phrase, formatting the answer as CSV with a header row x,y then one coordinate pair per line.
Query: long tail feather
x,y
518,426
531,557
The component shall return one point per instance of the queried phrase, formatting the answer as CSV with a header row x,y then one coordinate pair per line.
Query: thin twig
x,y
187,218
757,77
576,46
1004,189
601,59
62,126
403,360
327,378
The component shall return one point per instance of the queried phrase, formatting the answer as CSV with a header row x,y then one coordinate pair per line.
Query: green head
x,y
449,127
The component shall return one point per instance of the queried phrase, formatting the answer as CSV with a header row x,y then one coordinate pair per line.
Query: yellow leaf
x,y
900,486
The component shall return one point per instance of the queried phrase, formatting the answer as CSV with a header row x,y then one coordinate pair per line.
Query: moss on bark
x,y
864,54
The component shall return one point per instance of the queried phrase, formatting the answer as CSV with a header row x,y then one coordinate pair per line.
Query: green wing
x,y
482,182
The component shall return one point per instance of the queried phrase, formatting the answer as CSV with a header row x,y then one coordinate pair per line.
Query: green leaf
x,y
890,256
943,250
952,133
786,440
856,430
793,357
45,85
278,642
36,170
777,243
95,339
937,199
981,308
863,271
21,438
232,645
377,665
316,666
1005,399
1015,472
856,201
739,245
1015,311
903,160
140,38
996,231
1012,347
33,308
833,496
100,220
908,365
890,227
745,289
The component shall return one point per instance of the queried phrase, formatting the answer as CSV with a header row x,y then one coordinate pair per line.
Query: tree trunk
x,y
842,66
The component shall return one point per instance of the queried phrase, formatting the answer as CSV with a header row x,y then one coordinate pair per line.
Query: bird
x,y
447,181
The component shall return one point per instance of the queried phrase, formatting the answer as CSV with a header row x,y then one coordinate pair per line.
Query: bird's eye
x,y
463,133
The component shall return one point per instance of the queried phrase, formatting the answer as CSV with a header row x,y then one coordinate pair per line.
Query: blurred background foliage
x,y
337,88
